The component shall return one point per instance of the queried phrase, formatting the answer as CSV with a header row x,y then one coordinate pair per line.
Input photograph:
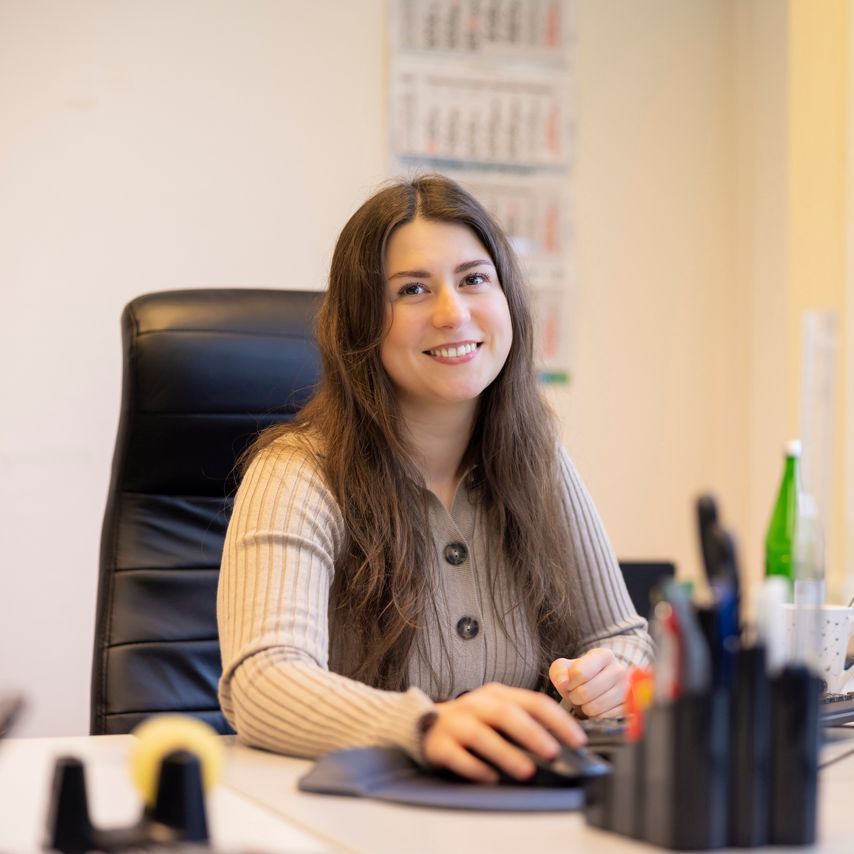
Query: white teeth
x,y
452,352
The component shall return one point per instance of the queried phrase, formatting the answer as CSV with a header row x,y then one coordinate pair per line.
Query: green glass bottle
x,y
780,539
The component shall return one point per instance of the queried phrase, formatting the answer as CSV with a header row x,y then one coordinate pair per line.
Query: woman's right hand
x,y
478,720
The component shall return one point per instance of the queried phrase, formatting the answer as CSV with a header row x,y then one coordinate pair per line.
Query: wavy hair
x,y
382,578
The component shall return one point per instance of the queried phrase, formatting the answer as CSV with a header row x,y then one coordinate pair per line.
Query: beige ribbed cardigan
x,y
279,687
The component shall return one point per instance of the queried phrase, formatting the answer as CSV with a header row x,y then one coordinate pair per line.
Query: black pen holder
x,y
719,769
615,801
794,757
685,772
750,744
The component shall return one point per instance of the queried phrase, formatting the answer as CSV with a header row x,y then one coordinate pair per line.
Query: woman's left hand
x,y
596,683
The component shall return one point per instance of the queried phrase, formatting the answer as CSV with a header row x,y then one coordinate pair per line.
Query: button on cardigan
x,y
283,653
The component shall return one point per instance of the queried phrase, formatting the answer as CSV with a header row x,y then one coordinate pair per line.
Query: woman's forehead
x,y
423,241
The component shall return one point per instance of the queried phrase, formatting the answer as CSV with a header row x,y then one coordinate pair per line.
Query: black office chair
x,y
204,371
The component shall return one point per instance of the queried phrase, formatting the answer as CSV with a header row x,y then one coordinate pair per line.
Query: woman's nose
x,y
450,309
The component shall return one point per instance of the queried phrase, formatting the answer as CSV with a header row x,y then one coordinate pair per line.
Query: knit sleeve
x,y
276,689
603,611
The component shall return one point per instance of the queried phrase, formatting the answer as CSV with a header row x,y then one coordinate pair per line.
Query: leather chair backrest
x,y
204,371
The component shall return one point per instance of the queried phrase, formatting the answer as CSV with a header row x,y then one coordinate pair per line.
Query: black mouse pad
x,y
389,774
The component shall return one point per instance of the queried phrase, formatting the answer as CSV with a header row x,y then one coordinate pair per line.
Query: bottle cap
x,y
793,448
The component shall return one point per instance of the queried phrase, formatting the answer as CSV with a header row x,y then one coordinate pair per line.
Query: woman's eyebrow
x,y
425,274
469,264
410,274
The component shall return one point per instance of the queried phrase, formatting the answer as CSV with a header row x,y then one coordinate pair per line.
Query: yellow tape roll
x,y
161,735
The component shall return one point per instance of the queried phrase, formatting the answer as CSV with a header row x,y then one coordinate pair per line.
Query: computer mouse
x,y
572,766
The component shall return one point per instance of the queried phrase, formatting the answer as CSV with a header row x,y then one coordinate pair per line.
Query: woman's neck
x,y
439,438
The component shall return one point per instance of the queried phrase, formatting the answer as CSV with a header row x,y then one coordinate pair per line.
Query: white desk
x,y
259,808
365,825
375,826
236,823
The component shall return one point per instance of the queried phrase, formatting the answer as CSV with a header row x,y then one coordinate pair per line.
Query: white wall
x,y
145,146
151,145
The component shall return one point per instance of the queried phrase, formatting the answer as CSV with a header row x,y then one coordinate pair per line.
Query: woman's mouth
x,y
455,353
452,350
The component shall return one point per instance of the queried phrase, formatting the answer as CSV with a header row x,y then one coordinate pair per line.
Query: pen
x,y
717,547
638,700
694,660
664,634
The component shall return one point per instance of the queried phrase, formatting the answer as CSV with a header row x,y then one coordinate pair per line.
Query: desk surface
x,y
374,826
236,823
259,808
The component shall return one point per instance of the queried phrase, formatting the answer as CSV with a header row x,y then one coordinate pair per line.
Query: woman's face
x,y
449,329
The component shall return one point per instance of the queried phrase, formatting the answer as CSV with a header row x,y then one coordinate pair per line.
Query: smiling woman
x,y
414,558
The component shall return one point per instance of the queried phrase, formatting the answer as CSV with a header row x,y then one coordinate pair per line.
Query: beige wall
x,y
817,134
760,233
656,412
847,467
151,145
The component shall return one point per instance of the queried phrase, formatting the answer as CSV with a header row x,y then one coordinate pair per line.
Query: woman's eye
x,y
413,289
476,279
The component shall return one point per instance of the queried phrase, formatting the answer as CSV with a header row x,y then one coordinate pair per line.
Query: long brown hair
x,y
383,578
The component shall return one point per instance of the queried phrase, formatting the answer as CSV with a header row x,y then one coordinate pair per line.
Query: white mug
x,y
834,625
